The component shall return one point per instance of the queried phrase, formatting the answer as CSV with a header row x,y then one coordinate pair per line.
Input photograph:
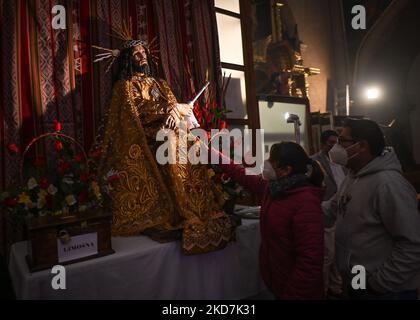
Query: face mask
x,y
338,154
268,171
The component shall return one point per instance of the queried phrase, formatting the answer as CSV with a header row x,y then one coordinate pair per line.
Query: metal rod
x,y
297,131
347,100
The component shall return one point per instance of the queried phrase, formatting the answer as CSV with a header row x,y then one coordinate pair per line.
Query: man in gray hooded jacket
x,y
377,220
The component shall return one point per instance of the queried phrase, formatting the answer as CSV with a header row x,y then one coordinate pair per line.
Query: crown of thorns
x,y
125,34
134,43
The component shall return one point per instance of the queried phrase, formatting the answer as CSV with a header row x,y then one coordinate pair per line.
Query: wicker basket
x,y
52,238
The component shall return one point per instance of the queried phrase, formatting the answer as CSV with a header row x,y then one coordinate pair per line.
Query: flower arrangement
x,y
210,116
232,191
59,184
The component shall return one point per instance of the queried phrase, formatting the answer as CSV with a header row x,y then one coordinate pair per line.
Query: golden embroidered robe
x,y
149,195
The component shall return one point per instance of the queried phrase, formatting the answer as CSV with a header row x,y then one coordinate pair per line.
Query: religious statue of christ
x,y
148,197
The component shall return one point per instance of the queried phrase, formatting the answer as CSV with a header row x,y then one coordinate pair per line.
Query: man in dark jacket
x,y
377,220
334,174
333,177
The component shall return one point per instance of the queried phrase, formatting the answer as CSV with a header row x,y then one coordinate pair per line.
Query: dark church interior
x,y
322,95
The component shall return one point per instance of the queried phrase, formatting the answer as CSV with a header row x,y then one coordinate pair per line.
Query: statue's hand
x,y
184,109
172,121
178,113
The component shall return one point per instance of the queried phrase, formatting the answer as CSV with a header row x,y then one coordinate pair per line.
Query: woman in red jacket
x,y
292,231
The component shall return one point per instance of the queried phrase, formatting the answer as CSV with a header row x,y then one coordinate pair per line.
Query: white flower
x,y
71,200
32,183
68,180
41,202
52,190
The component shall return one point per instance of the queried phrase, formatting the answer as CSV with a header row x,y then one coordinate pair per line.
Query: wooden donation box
x,y
67,239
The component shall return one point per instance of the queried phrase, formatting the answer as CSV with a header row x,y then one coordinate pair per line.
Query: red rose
x,y
113,178
63,166
12,148
44,184
59,146
39,162
79,158
223,124
208,135
97,153
82,198
57,126
10,202
84,177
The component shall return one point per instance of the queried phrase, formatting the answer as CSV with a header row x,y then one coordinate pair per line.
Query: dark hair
x,y
126,68
363,129
326,134
291,154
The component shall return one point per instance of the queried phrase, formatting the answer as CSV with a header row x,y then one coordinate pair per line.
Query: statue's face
x,y
139,56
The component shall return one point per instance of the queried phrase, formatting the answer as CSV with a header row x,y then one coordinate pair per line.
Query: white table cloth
x,y
144,269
